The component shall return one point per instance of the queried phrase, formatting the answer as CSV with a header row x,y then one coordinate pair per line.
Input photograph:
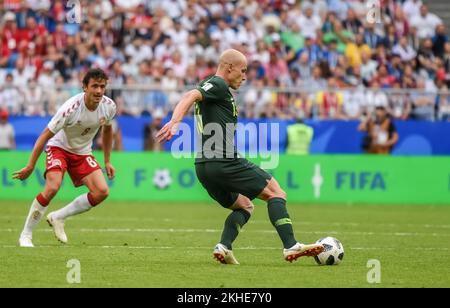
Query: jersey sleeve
x,y
111,112
211,90
58,121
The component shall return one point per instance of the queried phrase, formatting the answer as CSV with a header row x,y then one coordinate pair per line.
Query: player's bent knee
x,y
51,190
101,195
250,208
281,194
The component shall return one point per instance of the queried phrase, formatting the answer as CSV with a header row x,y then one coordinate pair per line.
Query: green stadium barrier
x,y
321,179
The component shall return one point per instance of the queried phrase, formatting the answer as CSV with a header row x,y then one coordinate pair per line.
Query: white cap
x,y
215,36
9,16
48,65
275,37
158,114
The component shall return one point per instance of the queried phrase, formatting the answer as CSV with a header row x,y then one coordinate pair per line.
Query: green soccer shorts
x,y
225,180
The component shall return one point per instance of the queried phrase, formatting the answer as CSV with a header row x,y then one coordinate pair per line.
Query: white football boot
x,y
224,255
58,228
301,250
26,241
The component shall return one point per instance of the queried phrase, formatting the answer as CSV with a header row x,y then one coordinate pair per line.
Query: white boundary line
x,y
174,230
209,248
256,221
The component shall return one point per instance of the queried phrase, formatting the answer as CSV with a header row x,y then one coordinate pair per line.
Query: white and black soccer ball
x,y
333,253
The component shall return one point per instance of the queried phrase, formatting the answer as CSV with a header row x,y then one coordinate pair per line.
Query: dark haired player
x,y
69,137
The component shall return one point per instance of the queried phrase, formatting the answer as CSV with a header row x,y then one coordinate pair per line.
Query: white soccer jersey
x,y
75,126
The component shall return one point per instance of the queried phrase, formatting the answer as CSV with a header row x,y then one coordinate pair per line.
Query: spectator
x,y
412,8
178,64
227,35
9,38
316,83
11,97
396,66
106,36
150,131
444,105
22,73
401,23
134,32
132,99
383,78
355,48
299,138
155,99
34,98
164,51
391,39
439,40
330,102
48,75
446,63
331,55
7,136
353,102
301,107
413,38
372,39
368,67
309,22
276,68
381,133
422,103
57,95
426,59
303,66
402,48
138,51
170,83
117,78
339,34
399,103
425,23
213,52
375,98
191,50
312,49
340,7
178,34
352,23
247,34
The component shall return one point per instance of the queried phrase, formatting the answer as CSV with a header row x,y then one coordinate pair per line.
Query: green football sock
x,y
233,225
281,221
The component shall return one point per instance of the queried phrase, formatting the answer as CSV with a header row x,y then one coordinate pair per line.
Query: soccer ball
x,y
333,253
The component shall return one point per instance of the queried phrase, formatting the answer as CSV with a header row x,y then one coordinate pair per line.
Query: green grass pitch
x,y
170,245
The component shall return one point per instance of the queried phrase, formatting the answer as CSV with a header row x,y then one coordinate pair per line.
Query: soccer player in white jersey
x,y
69,137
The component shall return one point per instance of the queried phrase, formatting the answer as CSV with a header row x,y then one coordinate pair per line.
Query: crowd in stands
x,y
329,59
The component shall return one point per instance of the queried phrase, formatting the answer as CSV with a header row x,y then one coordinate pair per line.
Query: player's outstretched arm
x,y
183,107
107,147
24,173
